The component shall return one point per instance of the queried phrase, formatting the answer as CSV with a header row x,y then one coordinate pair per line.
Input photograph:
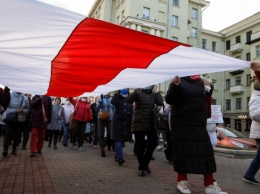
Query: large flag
x,y
49,50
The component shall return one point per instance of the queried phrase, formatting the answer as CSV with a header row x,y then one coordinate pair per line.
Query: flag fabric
x,y
49,50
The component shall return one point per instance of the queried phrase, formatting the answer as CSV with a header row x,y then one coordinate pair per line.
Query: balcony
x,y
255,37
236,48
237,89
236,72
199,2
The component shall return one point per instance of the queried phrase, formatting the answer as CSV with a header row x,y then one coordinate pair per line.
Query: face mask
x,y
83,99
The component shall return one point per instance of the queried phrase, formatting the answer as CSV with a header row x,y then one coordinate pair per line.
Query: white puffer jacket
x,y
254,113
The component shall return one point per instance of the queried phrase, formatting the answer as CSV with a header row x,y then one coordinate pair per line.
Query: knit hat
x,y
124,91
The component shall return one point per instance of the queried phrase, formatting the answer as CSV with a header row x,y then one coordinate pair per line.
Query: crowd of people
x,y
113,119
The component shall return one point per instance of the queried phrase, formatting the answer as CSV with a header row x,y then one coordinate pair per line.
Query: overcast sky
x,y
217,16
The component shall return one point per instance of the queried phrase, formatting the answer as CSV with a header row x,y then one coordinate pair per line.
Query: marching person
x,y
143,125
192,150
105,107
82,115
56,122
68,109
121,125
254,113
40,118
19,107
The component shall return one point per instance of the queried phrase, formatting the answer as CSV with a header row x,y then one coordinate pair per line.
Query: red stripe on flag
x,y
97,51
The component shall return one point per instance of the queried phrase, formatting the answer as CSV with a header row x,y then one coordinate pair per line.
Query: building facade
x,y
181,20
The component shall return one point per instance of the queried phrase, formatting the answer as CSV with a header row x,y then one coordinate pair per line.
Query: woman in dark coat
x,y
192,150
39,121
121,123
143,125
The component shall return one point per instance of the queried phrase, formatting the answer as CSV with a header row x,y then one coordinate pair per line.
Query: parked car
x,y
232,138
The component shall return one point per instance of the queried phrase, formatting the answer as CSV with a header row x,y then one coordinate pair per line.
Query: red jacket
x,y
82,110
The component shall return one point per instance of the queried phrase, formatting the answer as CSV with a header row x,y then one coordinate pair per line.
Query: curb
x,y
234,153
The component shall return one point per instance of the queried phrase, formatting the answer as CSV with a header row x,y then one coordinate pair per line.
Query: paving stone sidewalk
x,y
67,170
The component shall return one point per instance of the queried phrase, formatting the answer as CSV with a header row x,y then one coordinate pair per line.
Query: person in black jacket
x,y
94,110
143,124
121,123
192,150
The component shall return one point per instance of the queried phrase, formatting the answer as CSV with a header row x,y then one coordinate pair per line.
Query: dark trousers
x,y
54,133
12,133
168,151
78,132
24,134
102,124
144,153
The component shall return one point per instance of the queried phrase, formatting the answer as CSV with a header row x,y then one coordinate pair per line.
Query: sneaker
x,y
72,145
141,173
183,187
32,154
81,148
214,189
120,162
94,146
159,148
252,181
13,152
55,147
148,169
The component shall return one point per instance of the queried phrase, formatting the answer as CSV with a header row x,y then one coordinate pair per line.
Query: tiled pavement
x,y
68,170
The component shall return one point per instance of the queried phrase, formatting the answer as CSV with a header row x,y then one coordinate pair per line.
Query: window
x,y
248,36
174,38
227,84
258,51
214,46
238,103
214,102
228,45
248,79
238,124
247,101
238,81
228,104
238,57
194,13
204,43
214,83
238,39
175,2
175,21
145,31
146,13
248,56
194,32
248,124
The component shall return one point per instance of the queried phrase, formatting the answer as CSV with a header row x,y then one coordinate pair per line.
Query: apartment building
x,y
181,20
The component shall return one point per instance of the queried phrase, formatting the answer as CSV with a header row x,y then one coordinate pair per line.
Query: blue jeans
x,y
119,150
254,166
65,133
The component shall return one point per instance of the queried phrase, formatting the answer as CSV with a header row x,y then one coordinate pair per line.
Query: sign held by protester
x,y
216,115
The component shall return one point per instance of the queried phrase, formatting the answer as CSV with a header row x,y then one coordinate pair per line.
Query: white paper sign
x,y
216,115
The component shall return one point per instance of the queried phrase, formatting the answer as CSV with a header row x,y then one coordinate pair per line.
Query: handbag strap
x,y
21,102
43,111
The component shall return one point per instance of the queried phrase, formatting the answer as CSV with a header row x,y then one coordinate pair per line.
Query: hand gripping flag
x,y
49,50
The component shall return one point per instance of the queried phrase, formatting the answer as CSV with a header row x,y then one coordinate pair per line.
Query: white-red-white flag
x,y
49,50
